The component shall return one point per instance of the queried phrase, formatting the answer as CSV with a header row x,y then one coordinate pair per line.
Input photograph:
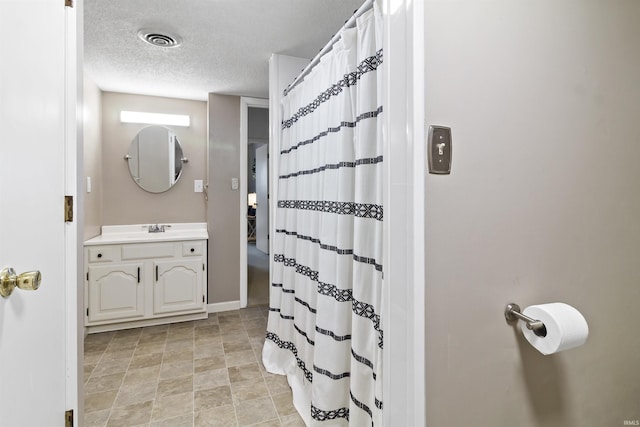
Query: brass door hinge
x,y
68,418
68,3
68,208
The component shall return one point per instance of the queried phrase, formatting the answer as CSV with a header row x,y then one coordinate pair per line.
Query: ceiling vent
x,y
159,39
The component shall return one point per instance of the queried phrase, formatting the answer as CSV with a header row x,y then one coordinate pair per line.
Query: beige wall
x,y
257,135
126,203
92,157
223,214
542,205
258,124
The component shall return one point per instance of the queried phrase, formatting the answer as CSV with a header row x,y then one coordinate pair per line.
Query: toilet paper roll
x,y
566,327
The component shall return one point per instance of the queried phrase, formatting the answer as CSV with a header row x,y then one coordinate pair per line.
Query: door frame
x,y
405,382
404,124
245,104
74,238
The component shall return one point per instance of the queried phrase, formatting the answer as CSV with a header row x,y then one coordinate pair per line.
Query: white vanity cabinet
x,y
115,292
133,282
178,286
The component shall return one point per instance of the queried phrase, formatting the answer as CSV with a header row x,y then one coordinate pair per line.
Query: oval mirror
x,y
155,159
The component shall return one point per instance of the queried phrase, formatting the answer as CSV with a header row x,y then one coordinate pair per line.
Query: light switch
x,y
234,183
88,184
439,150
197,186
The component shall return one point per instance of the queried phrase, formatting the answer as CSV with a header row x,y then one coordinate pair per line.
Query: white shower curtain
x,y
324,330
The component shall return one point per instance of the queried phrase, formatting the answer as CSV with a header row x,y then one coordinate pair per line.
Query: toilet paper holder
x,y
512,313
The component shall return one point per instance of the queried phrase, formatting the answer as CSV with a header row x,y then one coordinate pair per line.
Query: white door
x,y
262,191
33,338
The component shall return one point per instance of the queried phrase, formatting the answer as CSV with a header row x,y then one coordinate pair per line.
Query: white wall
x,y
542,205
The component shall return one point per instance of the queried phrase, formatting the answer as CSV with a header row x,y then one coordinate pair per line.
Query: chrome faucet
x,y
156,228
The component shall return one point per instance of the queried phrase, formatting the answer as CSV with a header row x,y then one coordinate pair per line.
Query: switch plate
x,y
439,150
234,183
197,186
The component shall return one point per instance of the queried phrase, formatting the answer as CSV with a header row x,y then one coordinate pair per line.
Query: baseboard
x,y
223,306
117,326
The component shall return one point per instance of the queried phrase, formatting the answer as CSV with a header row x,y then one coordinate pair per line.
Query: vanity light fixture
x,y
154,118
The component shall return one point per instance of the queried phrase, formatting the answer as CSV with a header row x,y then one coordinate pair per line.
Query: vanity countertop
x,y
139,233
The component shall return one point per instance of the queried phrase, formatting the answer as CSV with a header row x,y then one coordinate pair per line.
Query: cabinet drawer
x,y
192,249
147,250
101,253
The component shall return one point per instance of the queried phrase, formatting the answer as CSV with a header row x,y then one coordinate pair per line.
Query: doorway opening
x,y
254,172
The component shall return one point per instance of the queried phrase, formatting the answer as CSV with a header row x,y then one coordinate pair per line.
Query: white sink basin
x,y
139,233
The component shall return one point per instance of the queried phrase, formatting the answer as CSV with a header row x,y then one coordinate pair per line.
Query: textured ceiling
x,y
226,43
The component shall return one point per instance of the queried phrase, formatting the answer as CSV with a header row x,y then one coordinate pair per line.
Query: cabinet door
x,y
178,286
116,291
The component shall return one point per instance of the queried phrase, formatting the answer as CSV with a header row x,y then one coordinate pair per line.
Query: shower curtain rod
x,y
368,4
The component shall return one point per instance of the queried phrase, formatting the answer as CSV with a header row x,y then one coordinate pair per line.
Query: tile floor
x,y
201,373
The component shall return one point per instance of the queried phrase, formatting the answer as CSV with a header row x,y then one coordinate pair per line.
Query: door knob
x,y
29,281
